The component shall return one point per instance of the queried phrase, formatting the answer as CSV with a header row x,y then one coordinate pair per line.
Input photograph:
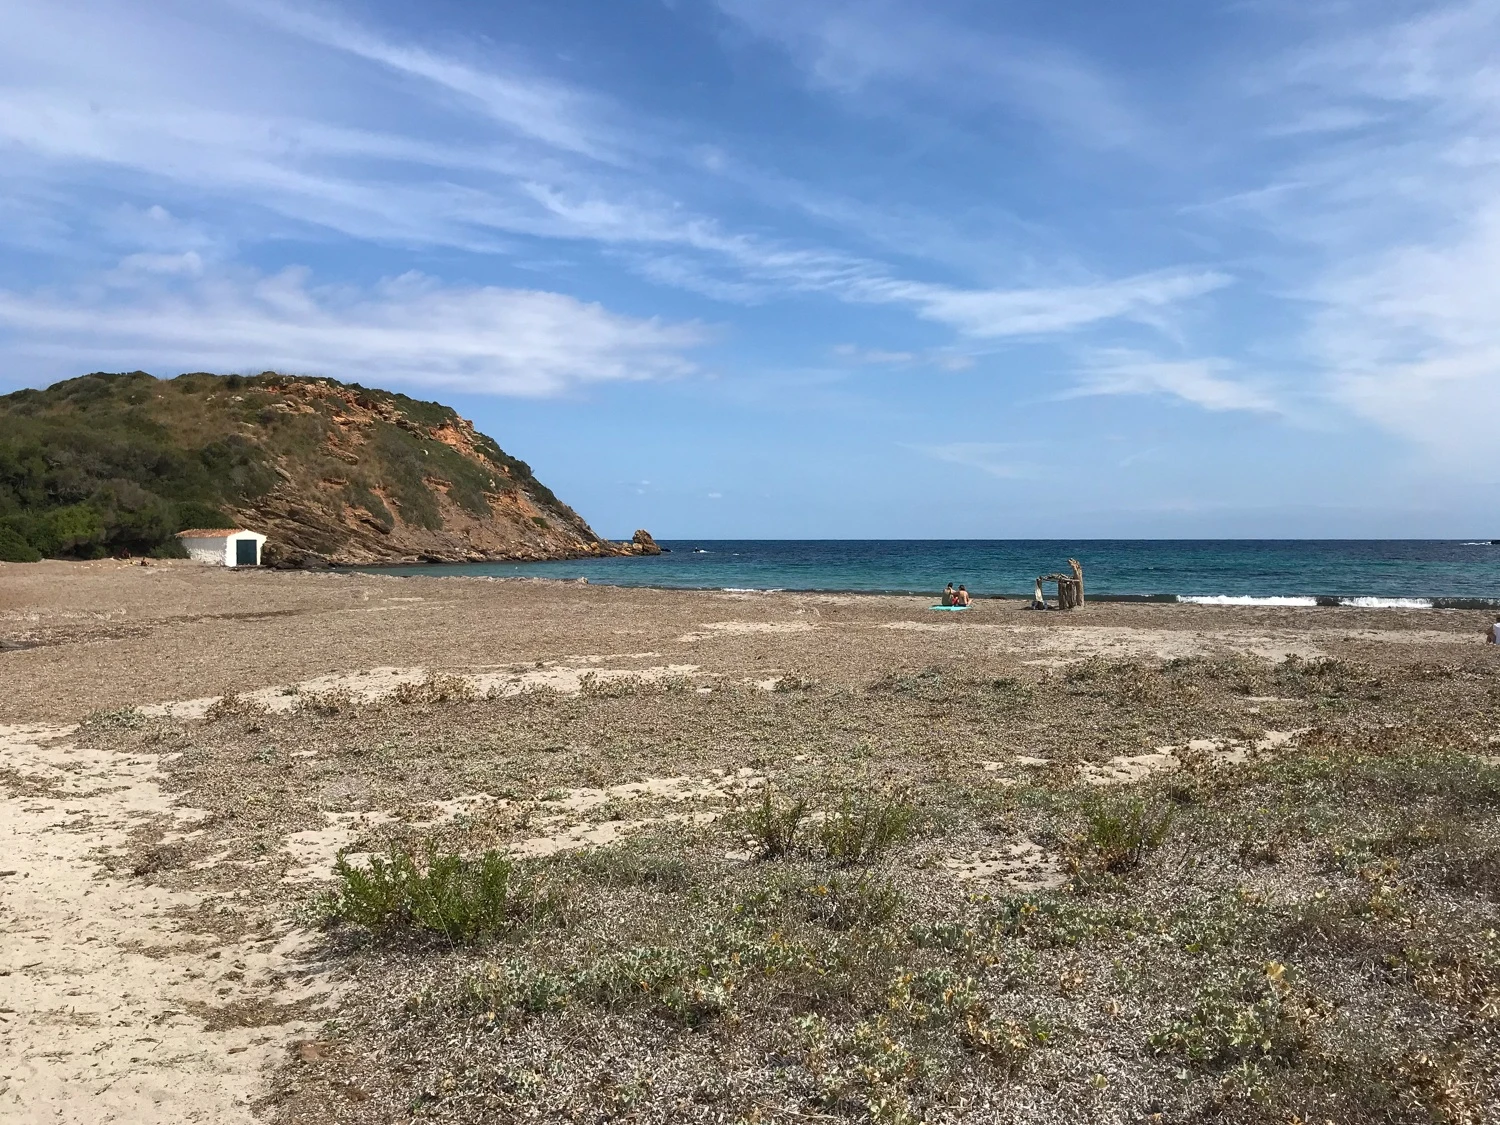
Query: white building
x,y
223,546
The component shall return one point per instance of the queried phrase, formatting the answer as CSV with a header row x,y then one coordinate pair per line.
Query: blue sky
x,y
778,268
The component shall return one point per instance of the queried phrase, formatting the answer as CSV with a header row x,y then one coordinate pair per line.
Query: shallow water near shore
x,y
1401,573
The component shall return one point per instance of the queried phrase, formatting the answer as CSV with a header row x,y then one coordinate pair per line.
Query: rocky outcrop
x,y
641,543
412,485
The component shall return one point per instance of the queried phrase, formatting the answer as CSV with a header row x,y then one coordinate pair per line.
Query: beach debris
x,y
1069,588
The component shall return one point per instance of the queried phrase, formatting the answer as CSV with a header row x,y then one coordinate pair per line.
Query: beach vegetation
x,y
863,827
775,824
436,688
1118,832
859,903
438,894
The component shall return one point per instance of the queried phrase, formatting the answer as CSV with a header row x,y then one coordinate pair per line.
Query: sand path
x,y
113,1006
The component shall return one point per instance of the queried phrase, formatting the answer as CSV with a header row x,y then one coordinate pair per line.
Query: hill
x,y
115,463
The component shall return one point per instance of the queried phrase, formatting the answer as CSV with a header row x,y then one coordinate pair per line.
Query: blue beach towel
x,y
948,608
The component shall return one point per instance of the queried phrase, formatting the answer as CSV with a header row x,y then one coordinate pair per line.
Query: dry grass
x,y
1305,936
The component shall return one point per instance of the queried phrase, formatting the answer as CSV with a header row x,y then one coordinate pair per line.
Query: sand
x,y
114,1002
123,1001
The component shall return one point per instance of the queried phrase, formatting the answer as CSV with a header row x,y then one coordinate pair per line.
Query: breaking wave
x,y
1362,602
1245,599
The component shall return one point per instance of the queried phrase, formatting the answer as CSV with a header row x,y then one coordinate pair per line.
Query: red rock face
x,y
354,498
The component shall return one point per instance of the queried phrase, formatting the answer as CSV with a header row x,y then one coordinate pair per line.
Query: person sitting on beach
x,y
962,597
1493,636
949,595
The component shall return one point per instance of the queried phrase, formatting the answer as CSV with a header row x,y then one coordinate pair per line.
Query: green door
x,y
245,552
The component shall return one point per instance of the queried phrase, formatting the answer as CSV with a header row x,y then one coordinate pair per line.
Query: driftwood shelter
x,y
1069,588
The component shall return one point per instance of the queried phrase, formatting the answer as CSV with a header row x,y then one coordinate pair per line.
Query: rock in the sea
x,y
641,543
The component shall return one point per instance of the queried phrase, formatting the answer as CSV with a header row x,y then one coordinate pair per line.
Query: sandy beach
x,y
1134,862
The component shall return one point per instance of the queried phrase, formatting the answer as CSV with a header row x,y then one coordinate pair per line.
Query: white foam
x,y
1245,599
1387,603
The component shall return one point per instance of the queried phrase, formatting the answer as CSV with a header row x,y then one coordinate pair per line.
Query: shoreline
x,y
76,637
1282,601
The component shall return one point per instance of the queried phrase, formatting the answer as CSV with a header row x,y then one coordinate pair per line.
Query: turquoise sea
x,y
1396,572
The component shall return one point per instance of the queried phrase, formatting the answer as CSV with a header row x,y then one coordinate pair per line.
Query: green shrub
x,y
774,825
14,547
169,549
1119,832
864,828
452,897
687,986
515,986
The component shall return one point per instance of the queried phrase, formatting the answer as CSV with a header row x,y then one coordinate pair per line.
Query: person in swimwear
x,y
1492,636
949,595
962,597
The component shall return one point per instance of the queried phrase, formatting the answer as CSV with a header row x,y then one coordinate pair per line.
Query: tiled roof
x,y
209,532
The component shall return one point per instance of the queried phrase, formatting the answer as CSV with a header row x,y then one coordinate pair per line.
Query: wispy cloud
x,y
531,105
988,313
507,155
1403,215
854,47
1205,383
998,459
409,330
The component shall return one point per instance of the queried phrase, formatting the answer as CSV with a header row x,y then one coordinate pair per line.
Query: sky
x,y
771,268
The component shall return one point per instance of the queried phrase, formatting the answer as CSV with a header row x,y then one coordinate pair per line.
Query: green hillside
x,y
109,464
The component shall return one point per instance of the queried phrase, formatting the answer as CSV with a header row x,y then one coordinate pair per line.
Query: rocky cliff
x,y
329,471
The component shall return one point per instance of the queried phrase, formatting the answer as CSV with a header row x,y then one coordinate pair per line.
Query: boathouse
x,y
223,546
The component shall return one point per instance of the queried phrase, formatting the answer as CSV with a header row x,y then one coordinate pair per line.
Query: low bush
x,y
449,896
231,705
436,689
1258,1016
774,825
1118,832
864,828
632,866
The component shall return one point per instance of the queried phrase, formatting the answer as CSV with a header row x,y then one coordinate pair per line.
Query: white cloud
x,y
852,353
1412,341
910,47
408,330
555,114
995,458
188,262
1201,382
1401,215
946,359
989,313
497,155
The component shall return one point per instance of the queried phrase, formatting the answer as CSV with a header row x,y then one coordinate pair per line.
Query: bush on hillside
x,y
13,548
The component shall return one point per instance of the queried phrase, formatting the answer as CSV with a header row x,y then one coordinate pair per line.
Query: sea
x,y
1396,573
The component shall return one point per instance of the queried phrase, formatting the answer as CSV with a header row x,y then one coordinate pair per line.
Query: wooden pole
x,y
1077,568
